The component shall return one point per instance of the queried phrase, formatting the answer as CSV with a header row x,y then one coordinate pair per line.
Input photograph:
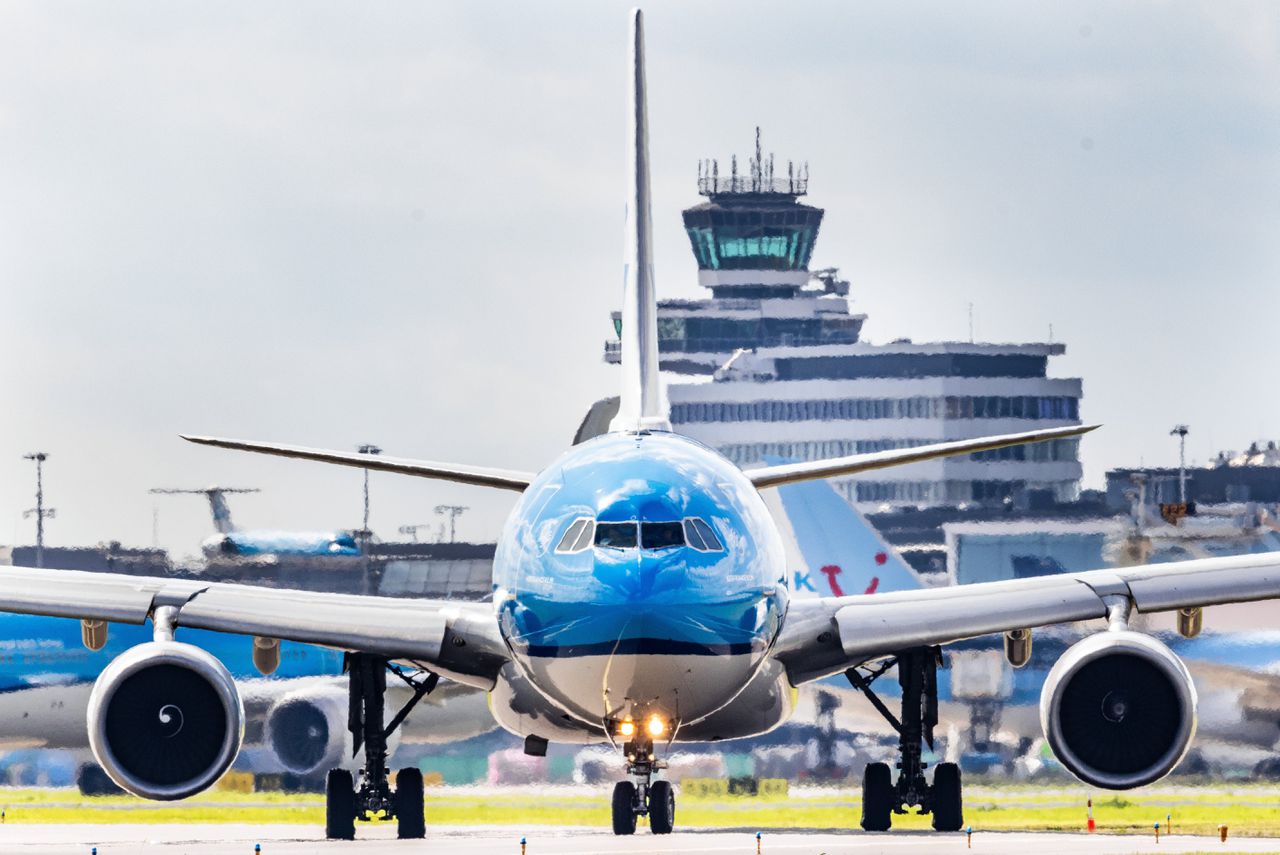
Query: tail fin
x,y
642,405
217,503
842,553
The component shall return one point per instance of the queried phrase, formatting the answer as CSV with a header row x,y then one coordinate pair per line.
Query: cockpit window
x,y
578,537
700,535
616,535
661,535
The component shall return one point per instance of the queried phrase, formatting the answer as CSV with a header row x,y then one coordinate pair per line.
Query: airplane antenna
x,y
40,511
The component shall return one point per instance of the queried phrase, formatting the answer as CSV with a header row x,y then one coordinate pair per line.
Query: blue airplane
x,y
232,541
642,599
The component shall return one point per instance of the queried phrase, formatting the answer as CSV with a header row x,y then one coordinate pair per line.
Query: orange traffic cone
x,y
1091,826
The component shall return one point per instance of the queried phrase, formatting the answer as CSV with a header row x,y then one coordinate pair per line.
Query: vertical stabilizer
x,y
642,405
218,506
842,552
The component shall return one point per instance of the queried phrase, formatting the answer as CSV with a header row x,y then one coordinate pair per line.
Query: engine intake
x,y
1119,709
308,730
165,720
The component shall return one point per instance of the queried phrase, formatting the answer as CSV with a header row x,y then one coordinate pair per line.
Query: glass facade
x,y
746,453
753,235
725,335
911,365
1056,407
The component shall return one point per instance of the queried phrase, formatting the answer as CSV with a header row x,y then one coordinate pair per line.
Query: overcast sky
x,y
401,223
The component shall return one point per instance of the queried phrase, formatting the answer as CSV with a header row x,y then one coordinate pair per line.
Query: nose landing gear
x,y
643,796
374,799
881,797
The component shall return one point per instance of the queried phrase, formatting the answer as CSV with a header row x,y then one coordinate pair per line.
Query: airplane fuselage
x,y
640,574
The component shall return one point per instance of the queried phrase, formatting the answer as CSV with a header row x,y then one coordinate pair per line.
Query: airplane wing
x,y
825,636
461,473
787,473
460,640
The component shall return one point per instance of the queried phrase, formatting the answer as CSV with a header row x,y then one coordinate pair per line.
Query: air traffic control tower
x,y
752,238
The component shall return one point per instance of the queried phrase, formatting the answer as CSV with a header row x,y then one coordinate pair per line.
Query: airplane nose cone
x,y
633,576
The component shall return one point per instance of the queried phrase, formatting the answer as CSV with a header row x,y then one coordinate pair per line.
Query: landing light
x,y
657,726
627,728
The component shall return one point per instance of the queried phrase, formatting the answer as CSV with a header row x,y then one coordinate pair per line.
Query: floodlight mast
x,y
40,511
367,448
1181,431
454,511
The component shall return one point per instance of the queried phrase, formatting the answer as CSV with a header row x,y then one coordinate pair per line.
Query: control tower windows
x,y
751,236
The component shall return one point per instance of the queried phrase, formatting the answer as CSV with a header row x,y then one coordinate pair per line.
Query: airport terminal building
x,y
772,365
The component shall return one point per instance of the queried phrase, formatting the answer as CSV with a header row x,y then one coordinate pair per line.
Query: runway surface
x,y
377,840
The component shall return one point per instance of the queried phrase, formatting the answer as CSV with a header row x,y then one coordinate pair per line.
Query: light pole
x,y
1181,431
40,511
454,511
367,448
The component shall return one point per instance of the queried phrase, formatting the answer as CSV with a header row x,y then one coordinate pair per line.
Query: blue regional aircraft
x,y
232,541
641,599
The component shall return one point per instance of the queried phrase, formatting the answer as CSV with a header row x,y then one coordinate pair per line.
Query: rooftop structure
x,y
1249,476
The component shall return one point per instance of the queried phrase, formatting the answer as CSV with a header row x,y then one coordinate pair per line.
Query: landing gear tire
x,y
411,823
662,808
339,805
878,794
948,803
624,808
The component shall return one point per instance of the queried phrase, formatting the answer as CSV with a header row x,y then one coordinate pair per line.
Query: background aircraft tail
x,y
832,549
642,406
218,506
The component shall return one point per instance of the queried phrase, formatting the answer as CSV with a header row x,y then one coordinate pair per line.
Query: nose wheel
x,y
882,797
643,796
345,803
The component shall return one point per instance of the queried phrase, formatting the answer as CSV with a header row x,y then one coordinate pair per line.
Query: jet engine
x,y
165,720
1119,709
307,731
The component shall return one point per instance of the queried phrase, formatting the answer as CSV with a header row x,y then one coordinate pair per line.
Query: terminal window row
x,y
950,407
745,453
948,492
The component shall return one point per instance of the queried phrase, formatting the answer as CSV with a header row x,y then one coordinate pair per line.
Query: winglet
x,y
642,406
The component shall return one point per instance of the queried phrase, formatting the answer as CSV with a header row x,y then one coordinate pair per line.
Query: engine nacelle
x,y
307,731
165,720
1119,709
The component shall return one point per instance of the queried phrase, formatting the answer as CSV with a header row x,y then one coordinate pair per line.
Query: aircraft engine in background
x,y
165,720
307,731
1119,709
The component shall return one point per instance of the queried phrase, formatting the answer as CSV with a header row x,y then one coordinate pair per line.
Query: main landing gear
x,y
374,799
643,796
881,797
